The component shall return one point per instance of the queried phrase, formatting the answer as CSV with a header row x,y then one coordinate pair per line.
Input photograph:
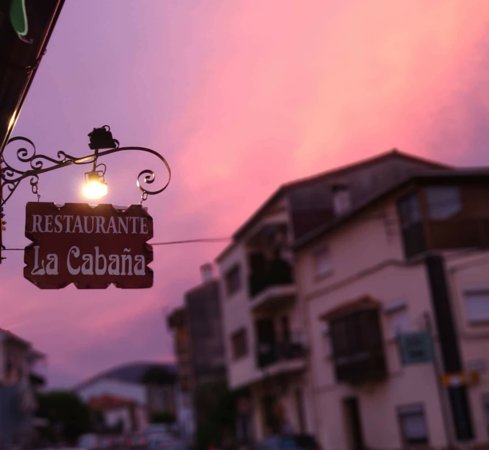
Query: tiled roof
x,y
108,402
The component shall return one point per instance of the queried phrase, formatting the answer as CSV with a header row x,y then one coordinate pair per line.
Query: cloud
x,y
293,89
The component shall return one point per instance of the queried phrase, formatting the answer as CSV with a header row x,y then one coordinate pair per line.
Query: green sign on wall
x,y
416,347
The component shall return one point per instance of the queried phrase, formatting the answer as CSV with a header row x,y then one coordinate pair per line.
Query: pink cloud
x,y
293,89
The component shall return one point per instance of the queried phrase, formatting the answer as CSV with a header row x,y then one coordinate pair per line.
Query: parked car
x,y
289,442
306,442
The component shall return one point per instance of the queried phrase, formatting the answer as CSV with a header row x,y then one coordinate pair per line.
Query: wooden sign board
x,y
89,246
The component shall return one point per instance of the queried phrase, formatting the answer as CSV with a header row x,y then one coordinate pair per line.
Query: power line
x,y
183,241
192,241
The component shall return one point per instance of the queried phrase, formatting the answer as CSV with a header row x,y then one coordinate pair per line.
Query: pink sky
x,y
239,97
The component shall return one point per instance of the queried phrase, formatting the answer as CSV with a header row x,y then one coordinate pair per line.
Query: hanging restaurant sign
x,y
90,246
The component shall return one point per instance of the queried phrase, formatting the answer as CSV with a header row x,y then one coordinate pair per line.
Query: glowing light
x,y
94,186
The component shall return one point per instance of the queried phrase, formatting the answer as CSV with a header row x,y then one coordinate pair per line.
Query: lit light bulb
x,y
94,186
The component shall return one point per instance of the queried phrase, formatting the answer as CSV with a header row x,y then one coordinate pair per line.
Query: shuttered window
x,y
357,343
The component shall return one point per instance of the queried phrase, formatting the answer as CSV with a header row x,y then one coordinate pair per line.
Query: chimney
x,y
341,198
206,271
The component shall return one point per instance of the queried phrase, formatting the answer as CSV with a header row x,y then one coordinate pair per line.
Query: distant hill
x,y
138,373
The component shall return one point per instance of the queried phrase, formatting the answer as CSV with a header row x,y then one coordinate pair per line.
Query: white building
x,y
266,319
131,394
98,387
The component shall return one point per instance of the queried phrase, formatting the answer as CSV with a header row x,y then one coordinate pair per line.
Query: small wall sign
x,y
89,246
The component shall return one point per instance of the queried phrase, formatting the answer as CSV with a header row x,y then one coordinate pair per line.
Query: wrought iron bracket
x,y
33,164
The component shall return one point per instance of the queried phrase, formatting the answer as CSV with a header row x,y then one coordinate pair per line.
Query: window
x,y
341,199
232,280
412,421
355,333
398,317
399,322
239,344
443,202
409,210
477,305
326,338
322,262
411,224
357,343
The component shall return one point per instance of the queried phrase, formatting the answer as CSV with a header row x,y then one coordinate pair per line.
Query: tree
x,y
165,417
216,414
68,417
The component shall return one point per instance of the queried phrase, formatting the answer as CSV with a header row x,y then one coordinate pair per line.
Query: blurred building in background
x,y
20,380
177,321
199,350
130,397
265,314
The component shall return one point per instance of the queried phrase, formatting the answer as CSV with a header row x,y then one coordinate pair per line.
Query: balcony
x,y
280,357
357,342
274,298
361,367
272,286
446,235
458,233
266,274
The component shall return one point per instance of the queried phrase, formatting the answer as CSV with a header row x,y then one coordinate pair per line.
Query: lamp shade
x,y
95,186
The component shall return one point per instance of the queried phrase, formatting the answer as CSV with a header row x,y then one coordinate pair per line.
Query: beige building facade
x,y
397,300
269,326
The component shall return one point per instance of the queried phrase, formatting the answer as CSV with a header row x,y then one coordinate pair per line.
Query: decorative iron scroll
x,y
30,164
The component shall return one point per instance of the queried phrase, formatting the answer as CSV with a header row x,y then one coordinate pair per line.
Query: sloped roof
x,y
459,174
293,185
108,402
12,336
137,373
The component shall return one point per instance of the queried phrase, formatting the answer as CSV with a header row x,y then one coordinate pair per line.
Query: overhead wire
x,y
182,241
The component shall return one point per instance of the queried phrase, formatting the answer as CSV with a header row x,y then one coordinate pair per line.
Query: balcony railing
x,y
457,233
361,367
268,354
446,234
